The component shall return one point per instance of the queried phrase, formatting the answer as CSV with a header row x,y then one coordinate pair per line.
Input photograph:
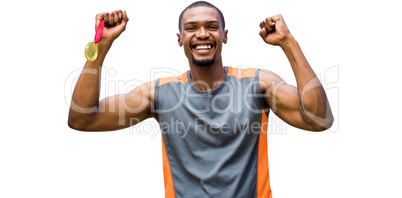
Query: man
x,y
213,118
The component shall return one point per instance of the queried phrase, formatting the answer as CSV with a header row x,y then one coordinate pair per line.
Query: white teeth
x,y
201,47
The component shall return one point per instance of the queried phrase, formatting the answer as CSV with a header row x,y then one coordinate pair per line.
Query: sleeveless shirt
x,y
214,143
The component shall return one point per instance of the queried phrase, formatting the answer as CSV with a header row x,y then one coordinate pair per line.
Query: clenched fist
x,y
115,24
274,30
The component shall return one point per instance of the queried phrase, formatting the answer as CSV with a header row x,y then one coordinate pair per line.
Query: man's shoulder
x,y
241,73
183,78
267,75
269,80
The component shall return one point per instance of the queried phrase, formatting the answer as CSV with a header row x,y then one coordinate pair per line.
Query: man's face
x,y
202,35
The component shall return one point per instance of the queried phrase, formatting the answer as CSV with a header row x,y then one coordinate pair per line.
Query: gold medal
x,y
91,50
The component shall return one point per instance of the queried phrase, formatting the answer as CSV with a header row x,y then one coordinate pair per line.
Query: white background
x,y
42,45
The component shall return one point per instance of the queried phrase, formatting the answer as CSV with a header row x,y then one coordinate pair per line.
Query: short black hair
x,y
202,4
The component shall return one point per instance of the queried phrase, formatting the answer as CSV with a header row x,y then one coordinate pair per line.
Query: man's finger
x,y
269,25
277,19
271,22
120,13
263,33
124,14
106,18
116,18
99,18
262,24
124,19
111,19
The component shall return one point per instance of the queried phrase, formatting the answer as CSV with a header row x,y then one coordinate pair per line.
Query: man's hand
x,y
115,24
274,30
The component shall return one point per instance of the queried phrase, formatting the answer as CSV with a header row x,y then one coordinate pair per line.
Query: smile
x,y
202,48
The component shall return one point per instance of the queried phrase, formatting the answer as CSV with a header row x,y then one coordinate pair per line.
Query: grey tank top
x,y
214,143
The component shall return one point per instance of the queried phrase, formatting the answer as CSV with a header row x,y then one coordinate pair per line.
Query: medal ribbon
x,y
99,31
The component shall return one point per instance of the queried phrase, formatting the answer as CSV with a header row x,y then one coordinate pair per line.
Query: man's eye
x,y
190,28
213,27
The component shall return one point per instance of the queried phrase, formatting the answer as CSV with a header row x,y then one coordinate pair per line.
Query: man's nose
x,y
202,33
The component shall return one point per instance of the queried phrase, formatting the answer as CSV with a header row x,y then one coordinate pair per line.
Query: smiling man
x,y
202,48
213,118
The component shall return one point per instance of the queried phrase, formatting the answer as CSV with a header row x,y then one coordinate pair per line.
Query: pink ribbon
x,y
99,31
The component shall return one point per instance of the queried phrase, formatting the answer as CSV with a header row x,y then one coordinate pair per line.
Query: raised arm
x,y
87,113
305,106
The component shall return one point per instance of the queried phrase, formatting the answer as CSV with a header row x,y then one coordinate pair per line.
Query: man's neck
x,y
207,78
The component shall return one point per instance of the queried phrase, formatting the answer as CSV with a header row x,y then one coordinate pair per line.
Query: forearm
x,y
301,68
313,99
85,98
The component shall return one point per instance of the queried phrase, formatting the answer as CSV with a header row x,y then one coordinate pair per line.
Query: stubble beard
x,y
203,62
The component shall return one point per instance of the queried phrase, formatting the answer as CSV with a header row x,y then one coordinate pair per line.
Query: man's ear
x,y
225,36
179,39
